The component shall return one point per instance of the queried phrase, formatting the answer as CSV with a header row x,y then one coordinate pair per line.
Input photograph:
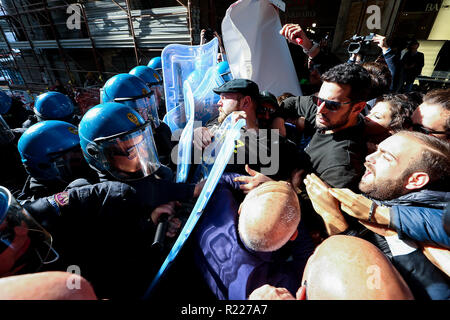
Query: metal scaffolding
x,y
37,47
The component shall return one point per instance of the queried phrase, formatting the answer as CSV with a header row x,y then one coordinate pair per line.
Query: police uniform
x,y
105,230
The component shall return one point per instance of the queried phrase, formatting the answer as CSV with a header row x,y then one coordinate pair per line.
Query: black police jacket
x,y
105,230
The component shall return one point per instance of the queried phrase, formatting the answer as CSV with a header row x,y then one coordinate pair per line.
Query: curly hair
x,y
353,75
401,109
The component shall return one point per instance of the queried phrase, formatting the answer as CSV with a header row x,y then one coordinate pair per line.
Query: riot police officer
x,y
51,154
116,217
131,90
52,105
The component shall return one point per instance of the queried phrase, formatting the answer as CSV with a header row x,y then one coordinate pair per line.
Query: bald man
x,y
53,285
241,246
344,268
269,216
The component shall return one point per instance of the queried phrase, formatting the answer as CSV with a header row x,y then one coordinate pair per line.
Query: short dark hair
x,y
440,97
381,78
435,159
401,109
352,74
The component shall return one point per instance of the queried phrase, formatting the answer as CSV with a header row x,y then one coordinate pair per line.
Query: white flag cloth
x,y
256,50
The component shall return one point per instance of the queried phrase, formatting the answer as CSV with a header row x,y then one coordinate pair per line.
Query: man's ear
x,y
358,107
294,236
240,207
245,102
417,180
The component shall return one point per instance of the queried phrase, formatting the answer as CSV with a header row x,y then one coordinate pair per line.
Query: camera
x,y
359,44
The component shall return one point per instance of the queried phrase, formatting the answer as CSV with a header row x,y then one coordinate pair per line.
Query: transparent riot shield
x,y
222,151
181,63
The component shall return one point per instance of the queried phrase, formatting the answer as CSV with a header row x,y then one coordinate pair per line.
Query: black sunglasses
x,y
330,105
263,110
419,128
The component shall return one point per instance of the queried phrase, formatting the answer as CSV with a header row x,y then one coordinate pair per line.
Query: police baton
x,y
161,229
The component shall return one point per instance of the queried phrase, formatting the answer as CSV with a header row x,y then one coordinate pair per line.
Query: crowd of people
x,y
353,204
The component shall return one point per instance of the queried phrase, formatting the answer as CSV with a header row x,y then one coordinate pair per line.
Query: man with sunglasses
x,y
432,117
337,148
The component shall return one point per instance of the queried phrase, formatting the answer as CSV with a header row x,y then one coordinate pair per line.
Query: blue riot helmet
x,y
53,105
130,90
223,68
115,139
24,244
5,102
152,79
50,151
6,134
156,64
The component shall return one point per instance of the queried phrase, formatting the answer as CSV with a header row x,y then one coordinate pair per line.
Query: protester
x,y
336,170
391,113
408,169
46,286
260,234
433,115
344,268
319,61
242,96
337,147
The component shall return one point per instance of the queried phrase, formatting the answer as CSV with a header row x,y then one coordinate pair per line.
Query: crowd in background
x,y
358,207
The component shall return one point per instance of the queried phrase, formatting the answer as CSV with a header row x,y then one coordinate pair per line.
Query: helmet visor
x,y
6,134
69,164
24,245
144,105
131,155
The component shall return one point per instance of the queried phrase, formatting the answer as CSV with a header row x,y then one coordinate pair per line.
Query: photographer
x,y
359,47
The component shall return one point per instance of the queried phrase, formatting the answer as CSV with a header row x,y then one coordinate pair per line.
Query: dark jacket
x,y
105,229
425,280
420,218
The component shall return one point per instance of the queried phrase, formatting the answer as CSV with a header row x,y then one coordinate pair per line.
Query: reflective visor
x,y
24,244
145,105
69,164
158,94
131,155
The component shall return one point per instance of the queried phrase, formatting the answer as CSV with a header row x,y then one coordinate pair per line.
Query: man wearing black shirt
x,y
337,148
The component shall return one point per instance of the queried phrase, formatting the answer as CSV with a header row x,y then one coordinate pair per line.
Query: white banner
x,y
256,50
